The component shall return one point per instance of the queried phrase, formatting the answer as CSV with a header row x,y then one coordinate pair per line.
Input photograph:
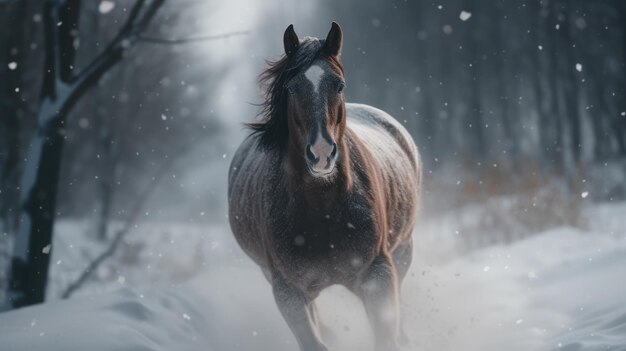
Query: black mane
x,y
272,129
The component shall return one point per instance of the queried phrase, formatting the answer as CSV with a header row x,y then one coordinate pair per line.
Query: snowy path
x,y
560,290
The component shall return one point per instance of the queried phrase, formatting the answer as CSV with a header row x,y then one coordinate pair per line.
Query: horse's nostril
x,y
334,152
309,153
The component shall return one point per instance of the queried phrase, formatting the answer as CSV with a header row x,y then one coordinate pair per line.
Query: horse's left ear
x,y
332,44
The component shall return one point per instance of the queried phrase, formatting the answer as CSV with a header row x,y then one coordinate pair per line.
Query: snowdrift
x,y
564,289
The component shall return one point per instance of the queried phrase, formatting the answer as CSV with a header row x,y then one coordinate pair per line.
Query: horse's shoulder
x,y
250,158
252,146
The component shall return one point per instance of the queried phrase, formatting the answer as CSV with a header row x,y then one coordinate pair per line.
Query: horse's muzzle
x,y
321,157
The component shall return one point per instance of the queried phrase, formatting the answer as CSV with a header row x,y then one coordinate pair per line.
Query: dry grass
x,y
495,205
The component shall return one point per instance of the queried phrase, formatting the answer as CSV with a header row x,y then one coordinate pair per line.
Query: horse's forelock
x,y
273,125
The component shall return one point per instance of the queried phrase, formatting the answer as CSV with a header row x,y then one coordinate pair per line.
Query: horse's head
x,y
315,104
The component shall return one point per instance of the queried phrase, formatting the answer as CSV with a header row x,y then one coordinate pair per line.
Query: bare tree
x,y
62,88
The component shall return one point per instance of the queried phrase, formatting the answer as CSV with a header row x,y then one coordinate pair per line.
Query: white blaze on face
x,y
320,148
314,75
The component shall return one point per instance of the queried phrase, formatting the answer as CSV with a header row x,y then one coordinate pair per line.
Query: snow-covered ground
x,y
188,287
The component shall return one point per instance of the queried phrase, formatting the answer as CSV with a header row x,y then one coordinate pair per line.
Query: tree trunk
x,y
61,90
40,176
14,28
475,103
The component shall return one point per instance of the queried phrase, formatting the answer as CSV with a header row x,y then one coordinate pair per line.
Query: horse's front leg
x,y
296,309
378,289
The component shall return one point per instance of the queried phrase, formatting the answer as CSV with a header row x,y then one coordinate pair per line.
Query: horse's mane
x,y
272,129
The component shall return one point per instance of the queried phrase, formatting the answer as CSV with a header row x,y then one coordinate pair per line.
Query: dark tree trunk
x,y
570,78
505,82
14,18
40,178
61,90
537,74
555,125
620,124
476,108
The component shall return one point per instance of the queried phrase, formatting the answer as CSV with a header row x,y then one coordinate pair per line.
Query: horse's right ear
x,y
291,41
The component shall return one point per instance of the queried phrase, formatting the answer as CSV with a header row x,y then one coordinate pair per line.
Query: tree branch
x,y
69,15
155,40
51,57
140,16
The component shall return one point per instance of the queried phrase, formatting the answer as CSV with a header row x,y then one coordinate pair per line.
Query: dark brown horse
x,y
324,192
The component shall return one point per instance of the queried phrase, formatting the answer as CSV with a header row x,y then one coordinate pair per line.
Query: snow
x,y
561,289
464,15
106,6
115,321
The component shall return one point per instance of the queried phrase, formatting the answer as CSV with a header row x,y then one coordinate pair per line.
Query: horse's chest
x,y
319,252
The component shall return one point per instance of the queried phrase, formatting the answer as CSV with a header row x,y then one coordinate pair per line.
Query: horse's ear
x,y
332,45
291,41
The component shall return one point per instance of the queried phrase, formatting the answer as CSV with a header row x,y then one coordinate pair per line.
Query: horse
x,y
324,192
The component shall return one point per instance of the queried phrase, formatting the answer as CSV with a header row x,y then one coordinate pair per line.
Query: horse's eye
x,y
340,87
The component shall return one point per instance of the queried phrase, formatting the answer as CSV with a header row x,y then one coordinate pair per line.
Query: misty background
x,y
518,109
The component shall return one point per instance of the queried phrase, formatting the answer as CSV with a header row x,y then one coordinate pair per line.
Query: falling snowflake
x,y
186,316
579,67
12,65
46,249
299,240
464,16
106,6
584,194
